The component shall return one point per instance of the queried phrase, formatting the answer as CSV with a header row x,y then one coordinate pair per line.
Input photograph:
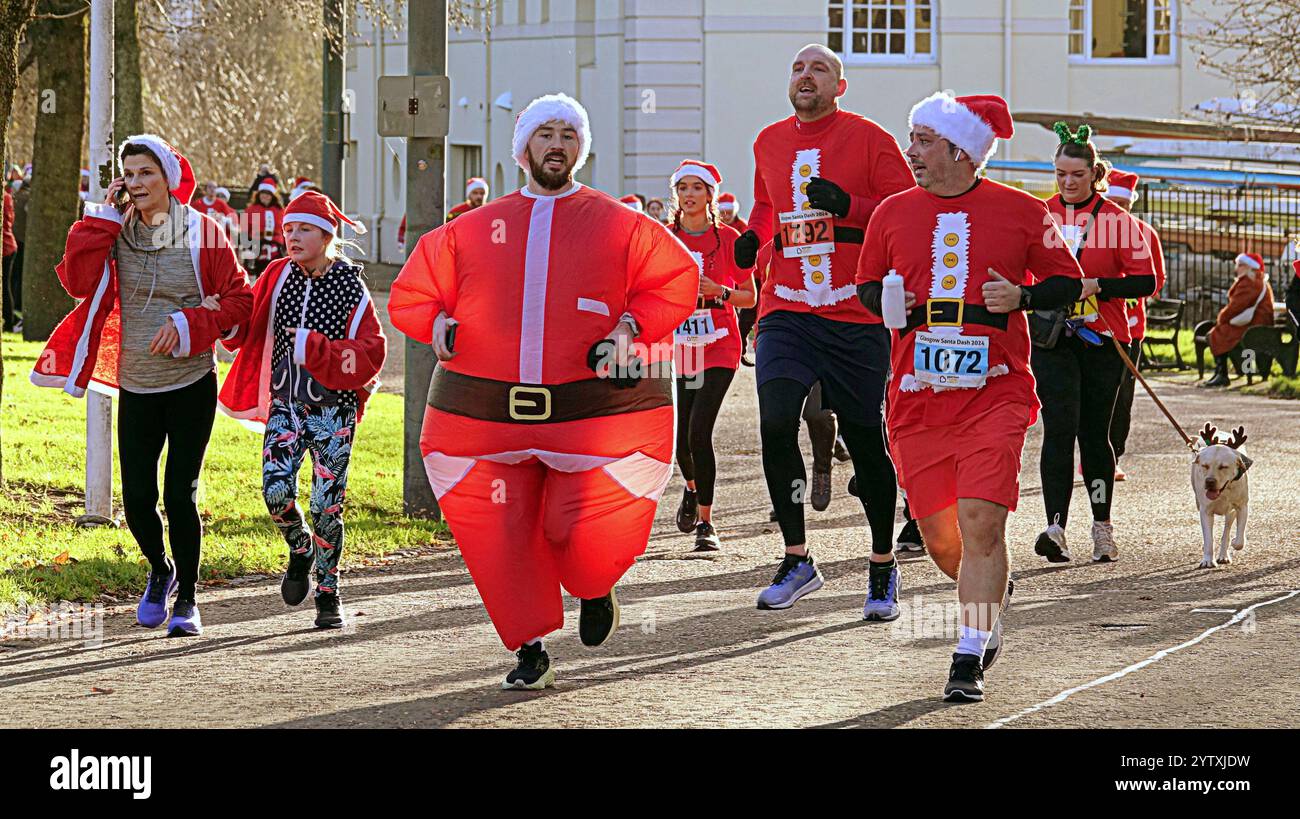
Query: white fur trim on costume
x,y
545,109
476,185
182,350
445,471
1114,192
1242,258
171,166
102,210
955,123
641,475
311,219
727,206
694,170
300,345
82,350
268,187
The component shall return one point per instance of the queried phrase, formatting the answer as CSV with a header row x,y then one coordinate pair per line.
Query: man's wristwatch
x,y
726,294
1024,299
627,319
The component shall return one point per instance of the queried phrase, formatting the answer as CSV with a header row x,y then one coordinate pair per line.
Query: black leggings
x,y
183,419
1119,425
698,401
1077,385
780,402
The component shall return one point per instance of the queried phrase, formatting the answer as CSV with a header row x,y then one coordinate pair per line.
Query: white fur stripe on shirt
x,y
537,262
950,261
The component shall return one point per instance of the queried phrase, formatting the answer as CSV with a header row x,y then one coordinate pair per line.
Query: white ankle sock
x,y
973,641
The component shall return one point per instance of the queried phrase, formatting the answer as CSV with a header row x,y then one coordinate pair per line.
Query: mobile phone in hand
x,y
122,198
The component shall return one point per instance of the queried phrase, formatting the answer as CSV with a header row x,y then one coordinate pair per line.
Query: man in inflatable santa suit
x,y
545,449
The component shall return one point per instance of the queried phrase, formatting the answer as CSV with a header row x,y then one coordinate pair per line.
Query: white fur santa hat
x,y
727,201
546,109
318,209
476,183
176,168
973,123
1252,260
708,174
632,202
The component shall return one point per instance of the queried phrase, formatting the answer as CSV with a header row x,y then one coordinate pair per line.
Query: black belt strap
x,y
843,235
508,403
952,313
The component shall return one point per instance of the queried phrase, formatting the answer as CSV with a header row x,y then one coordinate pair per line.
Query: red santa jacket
x,y
9,242
85,347
1250,304
865,162
1137,310
352,363
264,224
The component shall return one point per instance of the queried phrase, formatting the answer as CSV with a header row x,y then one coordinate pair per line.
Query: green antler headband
x,y
1080,135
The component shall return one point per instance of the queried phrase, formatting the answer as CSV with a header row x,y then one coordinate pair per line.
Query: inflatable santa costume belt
x,y
953,313
843,236
504,402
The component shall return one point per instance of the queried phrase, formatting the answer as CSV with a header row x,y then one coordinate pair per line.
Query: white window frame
x,y
910,57
1160,59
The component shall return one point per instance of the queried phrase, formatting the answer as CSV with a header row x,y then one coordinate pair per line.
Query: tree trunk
x,y
128,99
56,162
14,16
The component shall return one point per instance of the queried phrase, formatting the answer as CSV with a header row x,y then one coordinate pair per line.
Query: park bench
x,y
1163,314
1279,342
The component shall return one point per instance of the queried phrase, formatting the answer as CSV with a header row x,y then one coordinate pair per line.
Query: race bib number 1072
x,y
951,361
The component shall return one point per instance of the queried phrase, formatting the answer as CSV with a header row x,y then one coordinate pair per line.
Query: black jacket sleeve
x,y
1127,287
1055,291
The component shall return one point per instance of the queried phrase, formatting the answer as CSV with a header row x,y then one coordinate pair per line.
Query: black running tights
x,y
698,400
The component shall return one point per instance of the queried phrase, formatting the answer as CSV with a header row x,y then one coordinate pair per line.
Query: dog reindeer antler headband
x,y
1079,136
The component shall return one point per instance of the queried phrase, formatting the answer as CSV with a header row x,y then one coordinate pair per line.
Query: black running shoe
x,y
597,619
853,486
1051,545
297,579
965,680
534,671
329,614
821,490
909,539
688,514
771,516
706,540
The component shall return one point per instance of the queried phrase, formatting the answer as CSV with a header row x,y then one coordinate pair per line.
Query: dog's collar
x,y
1241,470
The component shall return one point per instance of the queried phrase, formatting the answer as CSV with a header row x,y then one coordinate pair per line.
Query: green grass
x,y
44,557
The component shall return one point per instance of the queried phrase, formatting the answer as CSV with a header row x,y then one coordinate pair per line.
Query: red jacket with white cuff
x,y
350,363
85,348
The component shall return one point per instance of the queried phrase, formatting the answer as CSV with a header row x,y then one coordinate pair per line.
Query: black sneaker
x,y
534,671
771,516
706,540
297,579
688,514
853,486
994,648
597,619
965,680
1051,545
909,539
329,614
821,490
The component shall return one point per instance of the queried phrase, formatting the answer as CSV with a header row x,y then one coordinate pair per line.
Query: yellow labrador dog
x,y
1220,483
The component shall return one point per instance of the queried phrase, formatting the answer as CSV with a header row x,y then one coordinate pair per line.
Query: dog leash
x,y
1123,354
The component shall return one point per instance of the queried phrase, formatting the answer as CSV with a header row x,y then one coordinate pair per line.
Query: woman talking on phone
x,y
141,263
1077,367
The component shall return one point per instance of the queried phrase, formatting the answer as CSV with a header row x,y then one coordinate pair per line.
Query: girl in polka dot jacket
x,y
308,360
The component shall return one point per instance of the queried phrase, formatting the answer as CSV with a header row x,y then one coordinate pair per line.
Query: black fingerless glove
x,y
826,195
745,251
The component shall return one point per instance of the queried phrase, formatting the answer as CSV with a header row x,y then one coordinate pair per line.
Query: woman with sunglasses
x,y
1078,377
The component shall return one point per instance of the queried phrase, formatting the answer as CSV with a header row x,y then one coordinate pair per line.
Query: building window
x,y
1104,30
881,30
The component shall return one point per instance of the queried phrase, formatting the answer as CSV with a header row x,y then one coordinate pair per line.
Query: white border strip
x,y
1154,658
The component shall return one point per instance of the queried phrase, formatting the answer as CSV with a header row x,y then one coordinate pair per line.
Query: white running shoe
x,y
1051,544
1103,543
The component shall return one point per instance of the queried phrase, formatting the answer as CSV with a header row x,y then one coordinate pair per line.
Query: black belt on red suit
x,y
950,313
845,235
509,403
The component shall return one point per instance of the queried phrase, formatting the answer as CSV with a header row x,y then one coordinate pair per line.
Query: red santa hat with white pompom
x,y
973,123
632,202
319,210
708,174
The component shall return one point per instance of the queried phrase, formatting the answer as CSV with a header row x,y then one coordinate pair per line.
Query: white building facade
x,y
640,68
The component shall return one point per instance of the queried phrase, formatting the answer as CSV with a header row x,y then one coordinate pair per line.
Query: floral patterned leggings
x,y
292,430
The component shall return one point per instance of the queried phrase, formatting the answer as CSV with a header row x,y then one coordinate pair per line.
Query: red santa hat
x,y
317,209
476,183
176,168
973,123
1122,184
546,109
707,173
223,193
1252,260
727,201
632,202
268,186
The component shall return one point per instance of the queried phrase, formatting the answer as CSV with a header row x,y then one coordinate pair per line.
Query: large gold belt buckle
x,y
932,321
530,403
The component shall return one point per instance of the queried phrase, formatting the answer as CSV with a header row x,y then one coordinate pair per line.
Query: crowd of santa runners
x,y
915,314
